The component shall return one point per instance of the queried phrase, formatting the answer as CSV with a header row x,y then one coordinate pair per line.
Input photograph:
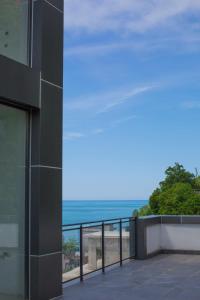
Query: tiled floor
x,y
164,277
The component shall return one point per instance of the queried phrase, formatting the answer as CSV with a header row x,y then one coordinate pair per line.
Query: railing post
x,y
136,237
120,229
103,248
132,237
81,253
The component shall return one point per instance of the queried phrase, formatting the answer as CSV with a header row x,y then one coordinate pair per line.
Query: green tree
x,y
154,201
178,193
176,174
145,211
179,199
197,183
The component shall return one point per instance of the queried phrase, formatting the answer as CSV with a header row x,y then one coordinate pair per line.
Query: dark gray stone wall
x,y
19,85
38,89
46,153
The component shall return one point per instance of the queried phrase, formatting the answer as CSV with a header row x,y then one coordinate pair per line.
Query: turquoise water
x,y
85,211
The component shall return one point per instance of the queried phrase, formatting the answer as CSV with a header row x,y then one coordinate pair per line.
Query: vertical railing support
x,y
81,253
120,238
136,236
103,248
132,237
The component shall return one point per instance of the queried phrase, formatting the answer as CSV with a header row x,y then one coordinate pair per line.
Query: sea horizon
x,y
105,200
80,211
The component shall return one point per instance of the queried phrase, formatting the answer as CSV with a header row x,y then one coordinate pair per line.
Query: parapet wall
x,y
167,234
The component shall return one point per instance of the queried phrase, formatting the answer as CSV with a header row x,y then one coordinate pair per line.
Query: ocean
x,y
86,211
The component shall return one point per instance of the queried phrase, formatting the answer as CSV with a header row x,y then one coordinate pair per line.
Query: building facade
x,y
31,107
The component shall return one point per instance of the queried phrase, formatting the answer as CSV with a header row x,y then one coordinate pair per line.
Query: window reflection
x,y
14,29
12,202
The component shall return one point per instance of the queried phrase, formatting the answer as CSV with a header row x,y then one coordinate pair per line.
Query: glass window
x,y
14,29
13,123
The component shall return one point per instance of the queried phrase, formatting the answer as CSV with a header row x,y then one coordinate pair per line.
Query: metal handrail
x,y
100,221
102,224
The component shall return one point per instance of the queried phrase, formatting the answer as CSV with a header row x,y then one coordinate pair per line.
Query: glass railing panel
x,y
126,243
92,249
71,254
112,243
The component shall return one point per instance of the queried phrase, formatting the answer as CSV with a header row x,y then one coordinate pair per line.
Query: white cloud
x,y
106,48
124,98
73,135
191,104
126,15
105,102
132,25
185,43
97,131
97,49
123,120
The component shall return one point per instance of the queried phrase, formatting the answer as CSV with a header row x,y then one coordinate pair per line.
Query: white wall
x,y
153,238
172,237
180,237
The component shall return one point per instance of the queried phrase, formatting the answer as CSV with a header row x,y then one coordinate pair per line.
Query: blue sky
x,y
131,95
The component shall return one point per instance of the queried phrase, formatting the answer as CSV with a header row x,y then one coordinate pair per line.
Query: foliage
x,y
70,247
144,211
135,213
179,199
197,183
178,193
176,174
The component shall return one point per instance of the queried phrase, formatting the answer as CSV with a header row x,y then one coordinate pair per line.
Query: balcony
x,y
164,277
166,265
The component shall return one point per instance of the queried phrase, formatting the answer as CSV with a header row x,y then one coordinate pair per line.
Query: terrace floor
x,y
164,277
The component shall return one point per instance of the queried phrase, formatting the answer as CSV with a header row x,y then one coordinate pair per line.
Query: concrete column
x,y
141,234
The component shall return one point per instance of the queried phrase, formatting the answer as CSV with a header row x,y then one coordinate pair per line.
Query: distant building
x,y
31,87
